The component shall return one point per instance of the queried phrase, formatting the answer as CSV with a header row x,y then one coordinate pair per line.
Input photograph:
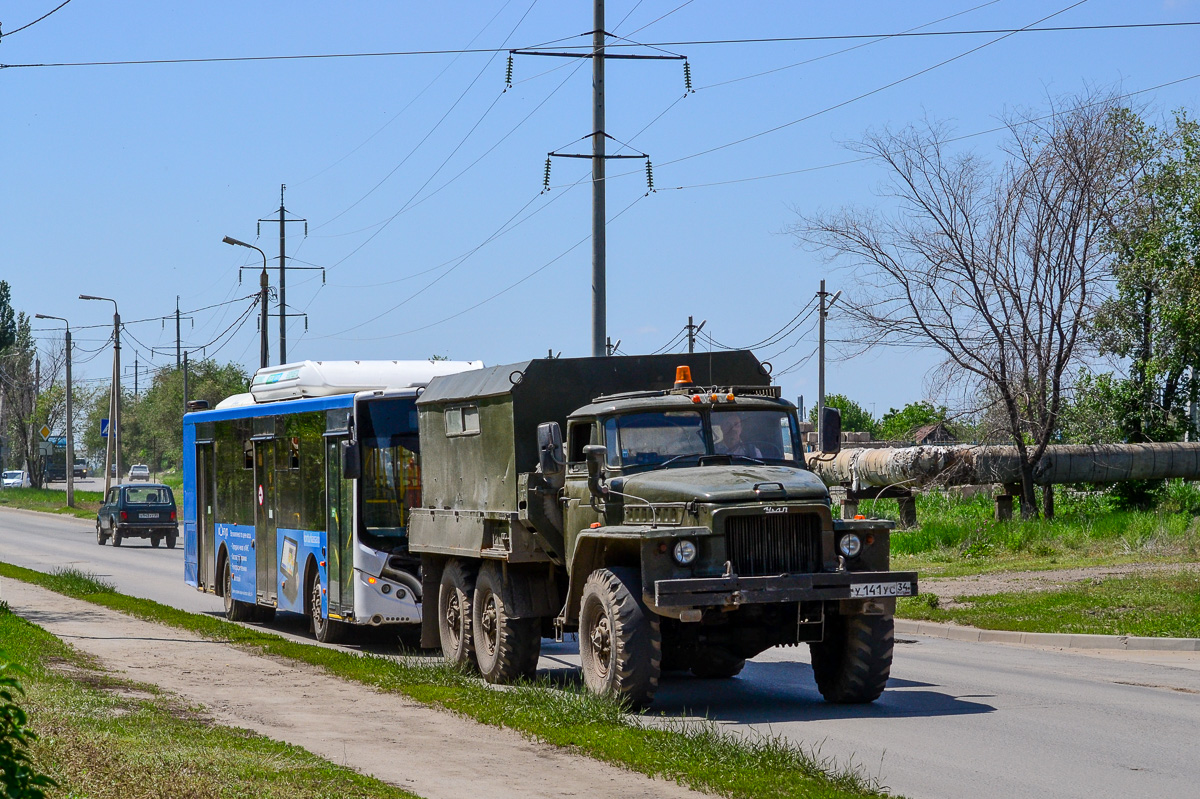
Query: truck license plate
x,y
147,515
867,590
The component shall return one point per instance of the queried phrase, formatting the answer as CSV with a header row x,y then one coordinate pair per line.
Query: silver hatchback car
x,y
139,471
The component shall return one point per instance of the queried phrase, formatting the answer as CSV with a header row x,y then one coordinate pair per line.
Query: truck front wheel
x,y
852,664
505,648
620,646
456,592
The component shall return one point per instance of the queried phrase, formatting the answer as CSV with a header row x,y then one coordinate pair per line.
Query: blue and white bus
x,y
296,495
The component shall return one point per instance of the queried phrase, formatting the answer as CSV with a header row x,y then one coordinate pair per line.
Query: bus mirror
x,y
550,448
350,460
595,455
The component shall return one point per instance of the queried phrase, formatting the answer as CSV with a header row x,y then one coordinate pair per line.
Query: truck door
x,y
266,558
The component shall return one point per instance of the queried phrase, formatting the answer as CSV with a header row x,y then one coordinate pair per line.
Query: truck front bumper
x,y
734,590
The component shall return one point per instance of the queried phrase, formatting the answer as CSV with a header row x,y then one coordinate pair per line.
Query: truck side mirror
x,y
550,448
595,454
351,463
831,431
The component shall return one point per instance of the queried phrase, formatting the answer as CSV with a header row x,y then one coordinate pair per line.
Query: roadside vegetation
x,y
49,500
106,738
696,754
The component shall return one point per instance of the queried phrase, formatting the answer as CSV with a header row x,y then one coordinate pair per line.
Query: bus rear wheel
x,y
235,609
324,629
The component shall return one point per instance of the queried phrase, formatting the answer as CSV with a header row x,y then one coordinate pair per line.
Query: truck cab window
x,y
579,436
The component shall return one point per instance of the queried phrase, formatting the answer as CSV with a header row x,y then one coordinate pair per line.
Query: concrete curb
x,y
956,632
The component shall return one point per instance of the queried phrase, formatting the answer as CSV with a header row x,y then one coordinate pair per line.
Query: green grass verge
x,y
696,754
1144,605
49,500
110,739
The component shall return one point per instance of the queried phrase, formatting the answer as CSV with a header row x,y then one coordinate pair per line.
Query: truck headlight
x,y
850,545
685,551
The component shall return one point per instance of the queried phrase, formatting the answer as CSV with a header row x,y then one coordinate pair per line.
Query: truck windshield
x,y
761,435
650,439
390,483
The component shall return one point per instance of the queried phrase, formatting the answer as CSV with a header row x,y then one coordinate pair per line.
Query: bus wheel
x,y
455,595
620,646
505,648
235,610
325,630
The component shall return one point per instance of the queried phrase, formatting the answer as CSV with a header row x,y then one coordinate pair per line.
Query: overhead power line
x,y
699,42
36,21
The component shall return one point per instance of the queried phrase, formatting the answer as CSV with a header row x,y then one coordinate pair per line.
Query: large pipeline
x,y
913,467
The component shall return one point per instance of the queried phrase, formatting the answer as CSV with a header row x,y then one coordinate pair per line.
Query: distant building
x,y
933,434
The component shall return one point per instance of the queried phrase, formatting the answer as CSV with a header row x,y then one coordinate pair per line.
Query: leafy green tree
x,y
855,418
898,425
1153,318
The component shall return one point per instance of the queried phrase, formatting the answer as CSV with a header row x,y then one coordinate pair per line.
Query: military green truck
x,y
665,514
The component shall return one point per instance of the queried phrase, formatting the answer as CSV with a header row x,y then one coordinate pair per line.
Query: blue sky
x,y
421,176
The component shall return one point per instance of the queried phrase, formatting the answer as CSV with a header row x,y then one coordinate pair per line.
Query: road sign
x,y
45,449
45,431
104,428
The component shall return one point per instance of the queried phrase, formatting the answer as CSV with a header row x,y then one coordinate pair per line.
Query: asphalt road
x,y
958,719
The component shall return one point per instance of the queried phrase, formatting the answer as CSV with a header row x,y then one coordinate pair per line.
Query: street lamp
x,y
70,426
263,356
114,432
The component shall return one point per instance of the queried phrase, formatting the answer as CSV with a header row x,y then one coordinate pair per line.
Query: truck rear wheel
x,y
852,664
620,646
456,593
505,648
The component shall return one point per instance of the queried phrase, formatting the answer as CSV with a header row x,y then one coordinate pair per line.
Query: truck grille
x,y
760,546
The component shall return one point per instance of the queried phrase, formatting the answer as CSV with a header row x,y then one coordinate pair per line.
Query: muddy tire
x,y
852,664
505,648
456,595
235,609
717,663
620,645
324,629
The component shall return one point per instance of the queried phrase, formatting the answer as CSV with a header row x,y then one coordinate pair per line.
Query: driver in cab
x,y
730,441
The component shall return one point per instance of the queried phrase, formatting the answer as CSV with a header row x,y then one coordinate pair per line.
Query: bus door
x,y
339,531
206,549
266,558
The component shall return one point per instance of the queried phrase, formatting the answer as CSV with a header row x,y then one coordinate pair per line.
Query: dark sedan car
x,y
138,511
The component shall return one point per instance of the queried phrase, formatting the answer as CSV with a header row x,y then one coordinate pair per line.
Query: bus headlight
x,y
685,551
850,545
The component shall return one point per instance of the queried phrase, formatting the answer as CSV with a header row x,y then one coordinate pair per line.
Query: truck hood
x,y
724,484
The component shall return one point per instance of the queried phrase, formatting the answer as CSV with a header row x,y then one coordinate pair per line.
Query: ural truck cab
x,y
675,526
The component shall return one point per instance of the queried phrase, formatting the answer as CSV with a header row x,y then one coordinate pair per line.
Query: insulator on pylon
x,y
687,78
546,176
649,176
508,73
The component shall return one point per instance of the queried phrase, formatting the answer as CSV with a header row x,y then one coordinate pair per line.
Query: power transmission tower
x,y
598,158
283,313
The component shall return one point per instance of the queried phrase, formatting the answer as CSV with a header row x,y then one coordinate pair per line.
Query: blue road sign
x,y
104,428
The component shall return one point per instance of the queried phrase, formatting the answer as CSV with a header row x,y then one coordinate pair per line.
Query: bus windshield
x,y
391,474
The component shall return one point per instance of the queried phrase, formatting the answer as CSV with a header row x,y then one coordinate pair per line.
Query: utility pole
x,y
824,311
178,336
283,314
692,332
264,355
185,381
70,427
598,157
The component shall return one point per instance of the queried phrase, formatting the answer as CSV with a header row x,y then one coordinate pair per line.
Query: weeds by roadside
x,y
48,500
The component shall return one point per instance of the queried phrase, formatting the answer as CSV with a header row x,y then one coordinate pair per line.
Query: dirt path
x,y
1006,582
429,752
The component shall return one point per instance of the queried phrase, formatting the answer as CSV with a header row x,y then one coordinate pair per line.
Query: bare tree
x,y
998,267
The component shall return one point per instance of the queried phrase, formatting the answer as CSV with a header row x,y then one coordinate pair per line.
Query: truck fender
x,y
432,567
596,550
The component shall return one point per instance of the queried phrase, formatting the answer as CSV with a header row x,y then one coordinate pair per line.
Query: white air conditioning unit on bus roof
x,y
328,378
